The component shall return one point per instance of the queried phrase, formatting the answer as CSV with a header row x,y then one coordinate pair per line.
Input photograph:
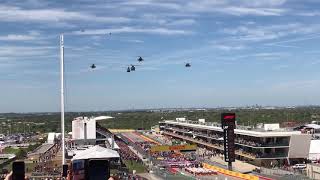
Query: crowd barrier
x,y
148,139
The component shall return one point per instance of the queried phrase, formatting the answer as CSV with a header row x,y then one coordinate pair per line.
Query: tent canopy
x,y
102,118
313,126
96,152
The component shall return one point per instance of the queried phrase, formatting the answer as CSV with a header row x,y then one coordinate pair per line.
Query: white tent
x,y
96,152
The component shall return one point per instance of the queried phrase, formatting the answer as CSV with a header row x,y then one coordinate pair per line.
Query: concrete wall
x,y
299,146
91,129
78,128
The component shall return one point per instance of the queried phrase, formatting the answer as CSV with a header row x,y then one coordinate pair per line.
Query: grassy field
x,y
132,165
9,150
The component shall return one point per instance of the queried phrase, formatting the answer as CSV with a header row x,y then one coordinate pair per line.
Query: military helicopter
x,y
188,65
131,67
93,66
140,59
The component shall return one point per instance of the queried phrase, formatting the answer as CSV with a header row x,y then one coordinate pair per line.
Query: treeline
x,y
50,122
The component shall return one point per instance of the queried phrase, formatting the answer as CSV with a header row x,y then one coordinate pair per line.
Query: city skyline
x,y
241,52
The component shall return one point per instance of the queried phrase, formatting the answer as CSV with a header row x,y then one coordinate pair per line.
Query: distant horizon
x,y
172,108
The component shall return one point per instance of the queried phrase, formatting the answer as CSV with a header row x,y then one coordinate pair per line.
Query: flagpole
x,y
62,97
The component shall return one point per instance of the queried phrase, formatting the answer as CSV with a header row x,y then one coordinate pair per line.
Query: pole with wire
x,y
62,96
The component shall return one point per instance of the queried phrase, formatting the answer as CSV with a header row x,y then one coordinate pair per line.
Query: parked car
x,y
299,166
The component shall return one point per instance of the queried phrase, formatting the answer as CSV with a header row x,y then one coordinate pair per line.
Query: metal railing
x,y
284,174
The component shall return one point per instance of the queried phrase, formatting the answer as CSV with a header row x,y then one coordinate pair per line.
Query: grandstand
x,y
258,146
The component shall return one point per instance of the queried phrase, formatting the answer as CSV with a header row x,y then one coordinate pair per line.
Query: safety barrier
x,y
121,130
230,173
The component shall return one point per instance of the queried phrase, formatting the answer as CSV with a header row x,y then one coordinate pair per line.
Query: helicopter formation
x,y
132,67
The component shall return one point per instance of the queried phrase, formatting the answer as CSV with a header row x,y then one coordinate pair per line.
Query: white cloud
x,y
17,37
251,34
296,85
164,20
280,67
230,7
135,41
13,14
310,14
153,18
262,56
182,22
315,62
33,35
23,51
237,8
148,3
240,11
161,31
271,32
228,47
262,3
305,38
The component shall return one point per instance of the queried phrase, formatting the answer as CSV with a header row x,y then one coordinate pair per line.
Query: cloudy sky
x,y
242,52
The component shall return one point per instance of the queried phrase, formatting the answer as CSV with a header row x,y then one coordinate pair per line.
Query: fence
x,y
284,174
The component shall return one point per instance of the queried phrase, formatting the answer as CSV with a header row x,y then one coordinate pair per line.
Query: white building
x,y
87,132
85,128
52,137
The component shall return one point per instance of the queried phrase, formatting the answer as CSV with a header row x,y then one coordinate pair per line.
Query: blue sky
x,y
242,52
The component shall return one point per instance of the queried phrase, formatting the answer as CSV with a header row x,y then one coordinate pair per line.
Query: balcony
x,y
215,137
273,156
255,144
216,146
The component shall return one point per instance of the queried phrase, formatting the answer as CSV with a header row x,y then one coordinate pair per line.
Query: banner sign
x,y
187,147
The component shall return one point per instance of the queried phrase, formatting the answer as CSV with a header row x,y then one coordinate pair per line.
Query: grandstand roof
x,y
102,118
253,132
42,149
96,152
313,126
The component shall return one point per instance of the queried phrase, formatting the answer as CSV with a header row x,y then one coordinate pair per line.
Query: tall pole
x,y
62,96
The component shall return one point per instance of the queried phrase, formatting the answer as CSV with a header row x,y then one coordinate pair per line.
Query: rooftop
x,y
244,130
99,118
42,149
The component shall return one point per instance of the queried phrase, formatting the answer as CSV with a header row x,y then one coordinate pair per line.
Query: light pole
x,y
62,97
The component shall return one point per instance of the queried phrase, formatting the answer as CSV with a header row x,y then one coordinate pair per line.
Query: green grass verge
x,y
132,165
9,150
